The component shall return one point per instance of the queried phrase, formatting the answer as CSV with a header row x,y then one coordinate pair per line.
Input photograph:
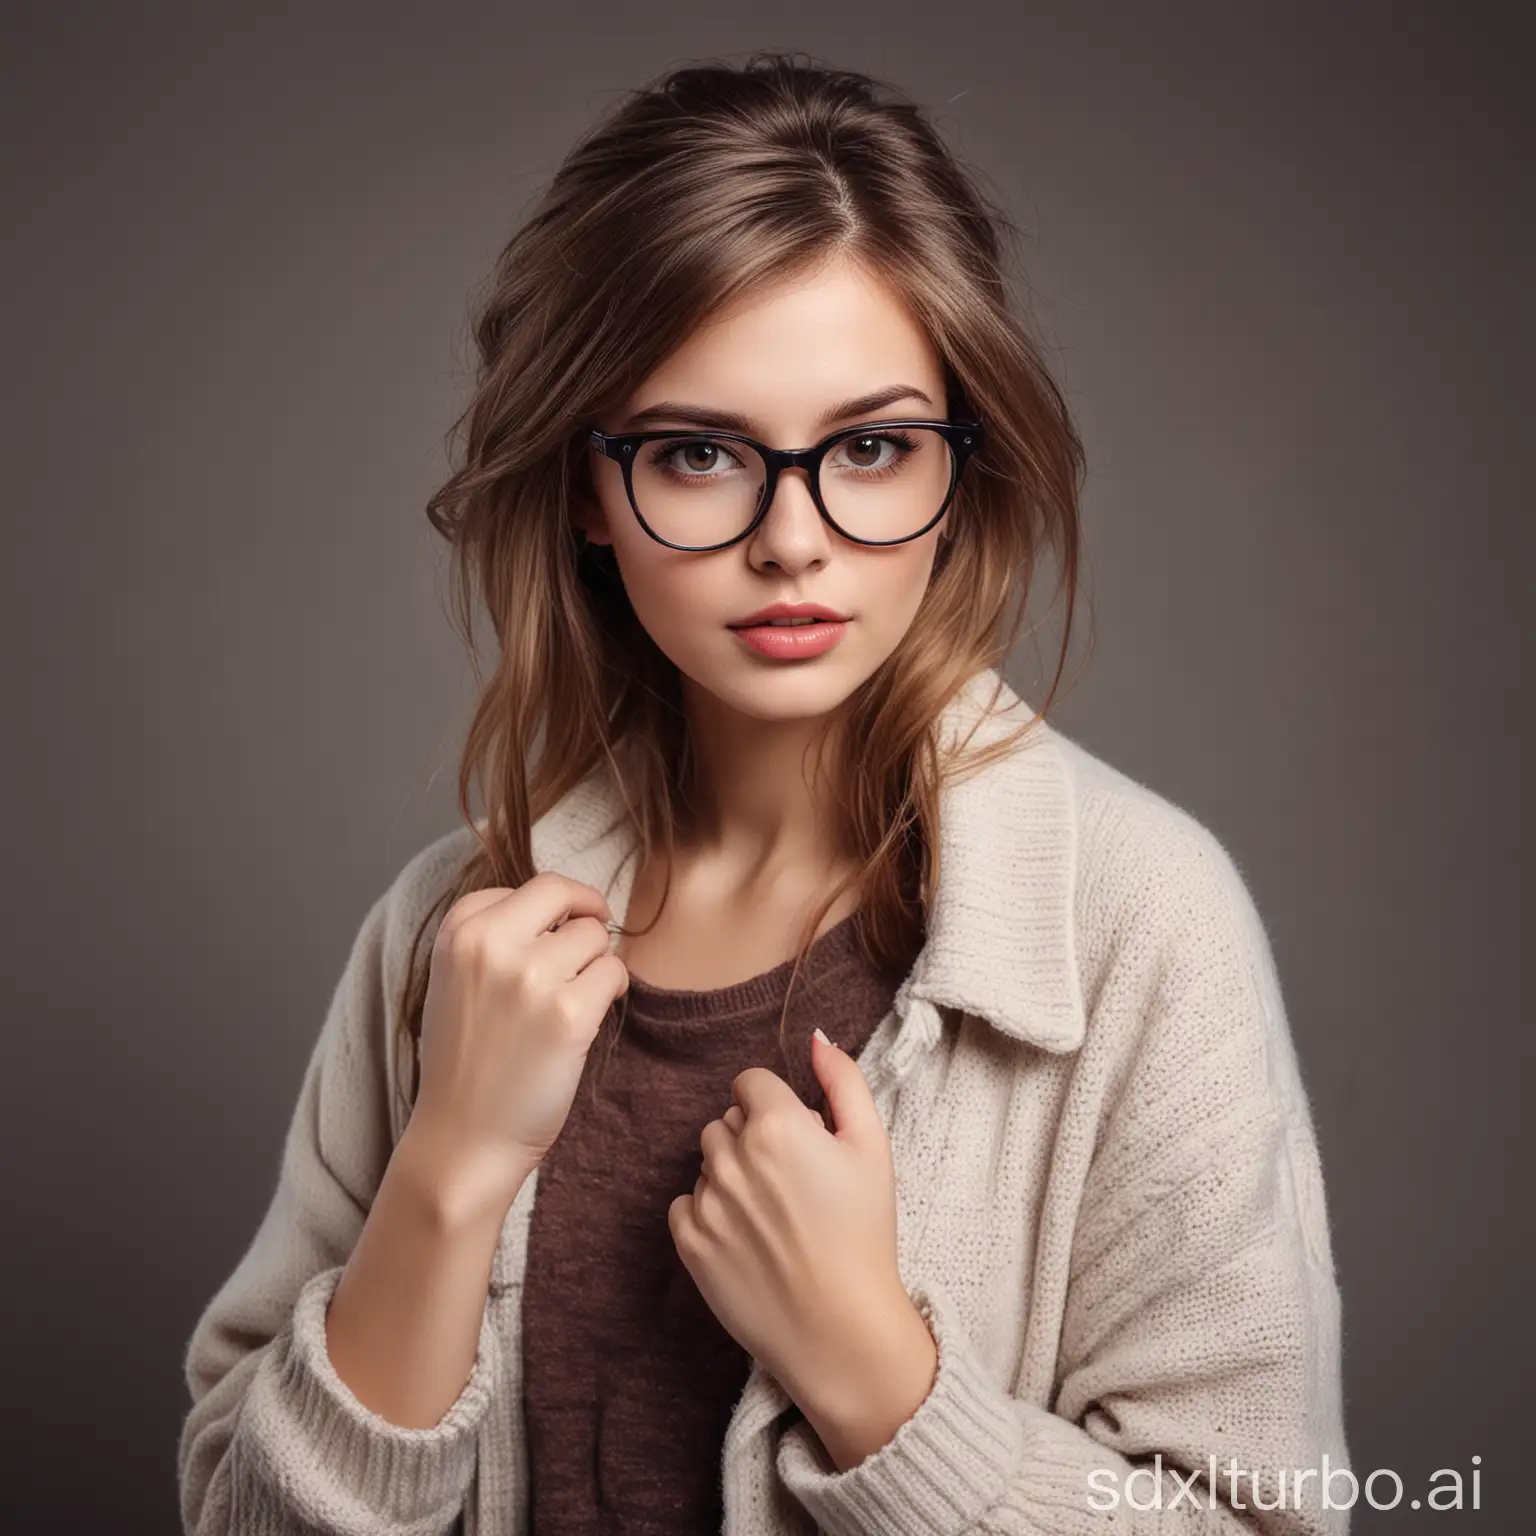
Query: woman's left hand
x,y
790,1232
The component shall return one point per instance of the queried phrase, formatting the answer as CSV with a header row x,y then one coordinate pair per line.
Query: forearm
x,y
404,1322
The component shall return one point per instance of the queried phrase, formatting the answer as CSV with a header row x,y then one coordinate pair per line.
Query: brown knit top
x,y
629,1378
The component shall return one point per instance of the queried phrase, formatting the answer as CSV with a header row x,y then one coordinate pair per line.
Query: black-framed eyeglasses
x,y
889,481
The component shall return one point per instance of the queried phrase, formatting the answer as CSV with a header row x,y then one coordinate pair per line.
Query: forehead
x,y
784,353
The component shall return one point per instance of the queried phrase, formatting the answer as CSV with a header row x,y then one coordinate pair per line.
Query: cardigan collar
x,y
1000,938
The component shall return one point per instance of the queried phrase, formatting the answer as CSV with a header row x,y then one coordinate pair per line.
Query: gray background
x,y
1280,257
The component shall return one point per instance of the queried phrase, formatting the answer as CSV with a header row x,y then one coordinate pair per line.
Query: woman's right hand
x,y
519,984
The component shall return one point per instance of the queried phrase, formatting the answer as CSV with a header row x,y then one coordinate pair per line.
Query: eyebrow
x,y
732,421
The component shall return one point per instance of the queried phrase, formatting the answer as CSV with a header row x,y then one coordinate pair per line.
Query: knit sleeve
x,y
1201,1328
275,1444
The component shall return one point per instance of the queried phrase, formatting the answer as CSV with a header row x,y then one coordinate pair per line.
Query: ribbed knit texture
x,y
1110,1210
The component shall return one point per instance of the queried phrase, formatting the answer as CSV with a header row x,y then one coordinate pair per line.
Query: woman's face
x,y
782,360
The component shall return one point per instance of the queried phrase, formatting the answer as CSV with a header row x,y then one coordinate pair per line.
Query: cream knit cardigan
x,y
1111,1212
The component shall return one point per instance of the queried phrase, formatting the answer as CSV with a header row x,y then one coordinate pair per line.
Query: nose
x,y
792,534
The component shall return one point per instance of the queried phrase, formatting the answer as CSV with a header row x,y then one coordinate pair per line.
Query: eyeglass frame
x,y
965,438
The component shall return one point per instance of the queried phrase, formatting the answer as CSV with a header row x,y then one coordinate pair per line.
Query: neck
x,y
765,800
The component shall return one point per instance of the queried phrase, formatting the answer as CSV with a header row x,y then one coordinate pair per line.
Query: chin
x,y
775,690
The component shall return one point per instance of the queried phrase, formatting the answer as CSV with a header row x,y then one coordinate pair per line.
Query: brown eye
x,y
696,459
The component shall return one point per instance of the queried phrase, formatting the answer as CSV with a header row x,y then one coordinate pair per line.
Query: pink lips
x,y
793,642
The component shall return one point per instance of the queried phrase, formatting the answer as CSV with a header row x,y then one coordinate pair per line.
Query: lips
x,y
784,624
783,612
792,642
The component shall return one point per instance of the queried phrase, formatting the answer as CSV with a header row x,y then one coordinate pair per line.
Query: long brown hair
x,y
691,192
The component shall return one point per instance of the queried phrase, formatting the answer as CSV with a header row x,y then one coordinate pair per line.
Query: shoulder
x,y
1136,855
414,890
1164,917
365,1010
1145,864
1075,876
1173,955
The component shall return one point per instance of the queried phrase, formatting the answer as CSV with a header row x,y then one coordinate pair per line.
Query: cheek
x,y
669,592
892,589
642,562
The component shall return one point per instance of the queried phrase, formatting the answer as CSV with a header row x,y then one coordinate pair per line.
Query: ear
x,y
588,516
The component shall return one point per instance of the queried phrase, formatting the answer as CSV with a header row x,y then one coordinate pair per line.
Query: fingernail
x,y
820,1036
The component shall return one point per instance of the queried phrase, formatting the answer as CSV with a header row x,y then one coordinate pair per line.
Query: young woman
x,y
944,1164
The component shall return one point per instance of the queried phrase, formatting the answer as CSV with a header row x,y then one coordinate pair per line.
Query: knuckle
x,y
677,1214
767,1132
462,940
725,1178
533,979
591,927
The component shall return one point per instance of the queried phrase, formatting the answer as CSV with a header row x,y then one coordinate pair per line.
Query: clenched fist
x,y
519,985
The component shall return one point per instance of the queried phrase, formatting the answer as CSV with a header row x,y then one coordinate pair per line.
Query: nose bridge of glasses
x,y
782,459
775,461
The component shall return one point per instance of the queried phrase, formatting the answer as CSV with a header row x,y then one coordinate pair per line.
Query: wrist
x,y
458,1185
858,1401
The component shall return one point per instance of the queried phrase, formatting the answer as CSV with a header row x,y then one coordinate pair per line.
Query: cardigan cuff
x,y
954,1459
339,1464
